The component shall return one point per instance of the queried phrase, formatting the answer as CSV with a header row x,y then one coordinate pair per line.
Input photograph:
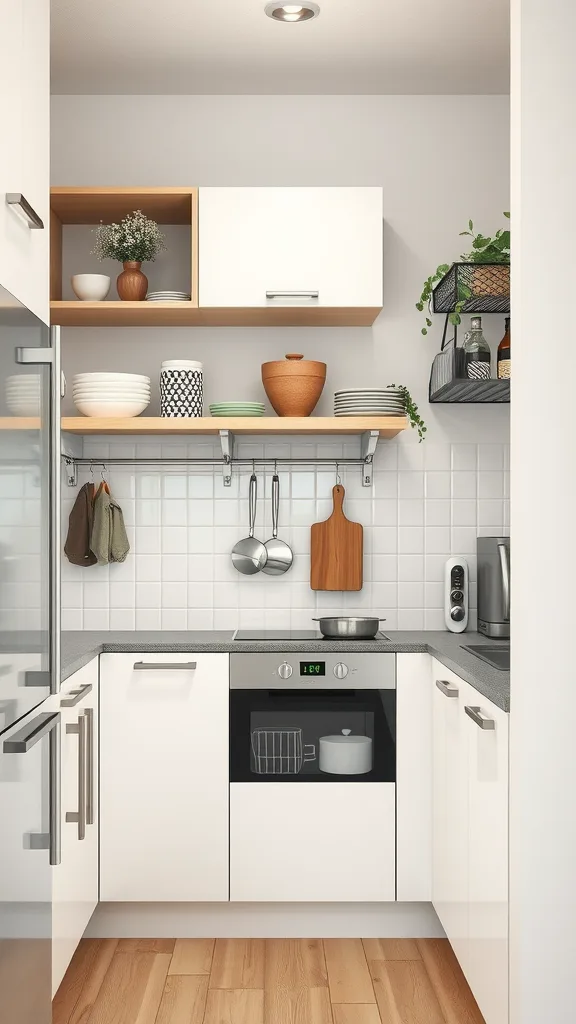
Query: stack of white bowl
x,y
24,394
111,394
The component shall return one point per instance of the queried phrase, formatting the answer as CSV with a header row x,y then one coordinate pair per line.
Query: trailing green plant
x,y
136,238
416,421
485,249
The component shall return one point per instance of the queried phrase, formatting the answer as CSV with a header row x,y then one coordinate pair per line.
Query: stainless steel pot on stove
x,y
343,627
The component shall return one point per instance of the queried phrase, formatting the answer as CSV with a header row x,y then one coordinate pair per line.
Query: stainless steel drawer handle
x,y
76,696
89,716
448,689
163,666
20,743
311,293
478,716
79,816
26,211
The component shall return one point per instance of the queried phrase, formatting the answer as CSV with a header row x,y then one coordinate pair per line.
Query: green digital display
x,y
312,668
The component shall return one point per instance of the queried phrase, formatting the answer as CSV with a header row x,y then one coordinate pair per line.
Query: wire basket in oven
x,y
279,751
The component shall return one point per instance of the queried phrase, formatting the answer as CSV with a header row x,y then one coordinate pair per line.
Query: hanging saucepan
x,y
343,627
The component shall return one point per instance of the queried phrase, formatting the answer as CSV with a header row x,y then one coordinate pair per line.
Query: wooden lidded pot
x,y
293,384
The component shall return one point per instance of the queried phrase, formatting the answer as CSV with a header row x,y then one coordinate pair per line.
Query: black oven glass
x,y
312,735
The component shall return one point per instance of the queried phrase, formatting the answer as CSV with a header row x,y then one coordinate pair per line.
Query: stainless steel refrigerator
x,y
29,658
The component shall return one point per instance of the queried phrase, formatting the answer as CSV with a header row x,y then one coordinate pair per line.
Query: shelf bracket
x,y
368,444
227,444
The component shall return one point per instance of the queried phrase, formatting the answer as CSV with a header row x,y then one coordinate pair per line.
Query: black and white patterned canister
x,y
181,388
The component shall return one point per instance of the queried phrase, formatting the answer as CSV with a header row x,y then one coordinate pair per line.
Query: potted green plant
x,y
476,282
133,241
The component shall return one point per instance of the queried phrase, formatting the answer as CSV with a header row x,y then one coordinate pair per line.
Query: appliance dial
x,y
285,670
340,670
457,595
457,613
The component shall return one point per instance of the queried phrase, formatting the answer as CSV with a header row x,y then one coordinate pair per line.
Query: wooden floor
x,y
264,981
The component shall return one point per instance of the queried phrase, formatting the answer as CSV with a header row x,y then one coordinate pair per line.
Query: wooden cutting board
x,y
336,550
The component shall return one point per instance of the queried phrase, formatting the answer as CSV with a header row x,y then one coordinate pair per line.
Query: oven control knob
x,y
340,670
285,670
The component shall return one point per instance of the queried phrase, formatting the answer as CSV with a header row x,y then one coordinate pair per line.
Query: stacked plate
x,y
111,394
237,409
369,402
24,394
168,296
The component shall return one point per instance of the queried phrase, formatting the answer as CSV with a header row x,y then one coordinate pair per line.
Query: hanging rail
x,y
368,442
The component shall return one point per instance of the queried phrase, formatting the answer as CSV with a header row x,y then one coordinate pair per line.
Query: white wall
x,y
542,747
431,188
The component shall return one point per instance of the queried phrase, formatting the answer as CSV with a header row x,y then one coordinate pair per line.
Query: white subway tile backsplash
x,y
411,484
491,485
427,501
464,457
438,485
464,485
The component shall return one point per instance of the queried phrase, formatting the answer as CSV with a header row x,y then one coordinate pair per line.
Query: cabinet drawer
x,y
312,843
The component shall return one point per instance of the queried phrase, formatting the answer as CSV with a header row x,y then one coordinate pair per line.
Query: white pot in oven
x,y
345,754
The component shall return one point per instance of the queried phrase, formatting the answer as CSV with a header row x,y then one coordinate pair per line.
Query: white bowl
x,y
106,400
112,389
119,378
25,407
90,287
121,409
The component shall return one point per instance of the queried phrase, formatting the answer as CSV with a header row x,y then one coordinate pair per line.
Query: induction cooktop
x,y
271,635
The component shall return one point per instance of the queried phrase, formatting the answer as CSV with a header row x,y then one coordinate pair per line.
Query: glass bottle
x,y
476,352
504,361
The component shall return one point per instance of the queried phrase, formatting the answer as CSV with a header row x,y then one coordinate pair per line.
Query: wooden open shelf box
x,y
91,206
387,426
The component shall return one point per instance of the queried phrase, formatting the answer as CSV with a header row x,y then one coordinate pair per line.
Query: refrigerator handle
x,y
37,357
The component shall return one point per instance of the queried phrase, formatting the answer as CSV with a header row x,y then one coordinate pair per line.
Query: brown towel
x,y
77,546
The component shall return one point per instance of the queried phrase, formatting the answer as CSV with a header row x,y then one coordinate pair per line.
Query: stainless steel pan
x,y
342,627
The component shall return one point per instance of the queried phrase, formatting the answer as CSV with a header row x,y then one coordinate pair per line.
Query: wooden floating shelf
x,y
20,423
484,392
73,313
387,426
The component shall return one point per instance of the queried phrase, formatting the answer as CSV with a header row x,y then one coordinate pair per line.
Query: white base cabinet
x,y
164,777
75,879
470,836
291,246
312,842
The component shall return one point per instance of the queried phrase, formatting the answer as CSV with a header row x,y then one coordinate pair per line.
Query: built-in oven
x,y
328,717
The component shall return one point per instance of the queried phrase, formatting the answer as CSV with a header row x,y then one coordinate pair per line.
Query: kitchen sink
x,y
497,655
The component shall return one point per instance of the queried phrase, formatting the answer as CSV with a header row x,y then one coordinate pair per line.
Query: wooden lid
x,y
295,365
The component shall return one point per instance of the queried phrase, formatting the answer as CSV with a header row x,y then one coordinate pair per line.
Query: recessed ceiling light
x,y
292,12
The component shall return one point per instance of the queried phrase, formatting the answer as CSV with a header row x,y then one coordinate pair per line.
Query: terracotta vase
x,y
293,384
132,284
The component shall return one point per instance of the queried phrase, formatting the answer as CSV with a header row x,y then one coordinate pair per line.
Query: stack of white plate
x,y
369,402
168,296
23,394
111,394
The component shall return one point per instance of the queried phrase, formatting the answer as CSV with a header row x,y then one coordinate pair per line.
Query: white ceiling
x,y
231,47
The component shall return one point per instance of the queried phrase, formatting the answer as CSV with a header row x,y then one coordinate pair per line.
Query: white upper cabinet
x,y
164,777
291,247
24,150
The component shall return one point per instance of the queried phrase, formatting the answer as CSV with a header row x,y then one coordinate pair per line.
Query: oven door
x,y
298,735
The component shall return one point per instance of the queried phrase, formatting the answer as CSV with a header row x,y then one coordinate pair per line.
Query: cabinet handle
x,y
505,569
311,293
76,696
24,208
20,743
79,816
89,716
478,716
187,666
448,689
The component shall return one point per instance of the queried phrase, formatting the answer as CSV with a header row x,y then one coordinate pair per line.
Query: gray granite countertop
x,y
78,648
